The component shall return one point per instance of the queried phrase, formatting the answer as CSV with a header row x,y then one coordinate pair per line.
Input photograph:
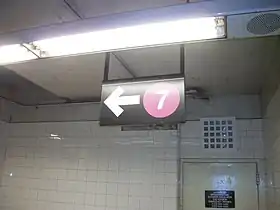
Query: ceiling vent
x,y
254,25
218,133
264,24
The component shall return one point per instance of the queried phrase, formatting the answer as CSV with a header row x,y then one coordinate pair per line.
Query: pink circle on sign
x,y
161,100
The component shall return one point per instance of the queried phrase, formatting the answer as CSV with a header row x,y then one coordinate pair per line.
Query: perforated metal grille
x,y
264,24
218,133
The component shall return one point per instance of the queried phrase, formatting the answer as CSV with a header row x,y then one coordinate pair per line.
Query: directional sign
x,y
154,101
115,101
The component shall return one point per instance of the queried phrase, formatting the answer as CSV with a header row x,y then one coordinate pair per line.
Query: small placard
x,y
219,199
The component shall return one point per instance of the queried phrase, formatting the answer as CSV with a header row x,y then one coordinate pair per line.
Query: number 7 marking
x,y
164,94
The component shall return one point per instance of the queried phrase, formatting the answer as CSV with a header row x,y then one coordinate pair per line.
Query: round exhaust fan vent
x,y
264,24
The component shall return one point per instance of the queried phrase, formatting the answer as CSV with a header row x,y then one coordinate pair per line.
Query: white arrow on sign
x,y
115,100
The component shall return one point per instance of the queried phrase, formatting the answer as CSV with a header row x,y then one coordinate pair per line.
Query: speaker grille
x,y
264,24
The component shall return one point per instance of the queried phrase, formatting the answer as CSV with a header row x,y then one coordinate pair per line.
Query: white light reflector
x,y
15,53
134,36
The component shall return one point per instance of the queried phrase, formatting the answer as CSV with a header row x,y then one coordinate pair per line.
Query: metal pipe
x,y
97,120
182,59
106,67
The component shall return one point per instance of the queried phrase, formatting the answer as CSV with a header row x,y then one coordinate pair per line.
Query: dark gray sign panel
x,y
220,199
154,101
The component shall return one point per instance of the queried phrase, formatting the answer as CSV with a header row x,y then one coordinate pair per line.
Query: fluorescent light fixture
x,y
152,34
15,53
160,33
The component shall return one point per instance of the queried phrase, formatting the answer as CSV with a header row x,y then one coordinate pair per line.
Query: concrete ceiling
x,y
93,8
23,91
230,67
17,14
218,67
77,77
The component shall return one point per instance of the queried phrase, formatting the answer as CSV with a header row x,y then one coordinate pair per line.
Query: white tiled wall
x,y
79,165
87,168
272,151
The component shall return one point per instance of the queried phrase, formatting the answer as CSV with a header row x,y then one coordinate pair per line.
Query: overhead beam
x,y
199,9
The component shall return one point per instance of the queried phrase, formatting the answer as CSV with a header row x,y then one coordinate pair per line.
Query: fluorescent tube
x,y
15,53
152,34
134,36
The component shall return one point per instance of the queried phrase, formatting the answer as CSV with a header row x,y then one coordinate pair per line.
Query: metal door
x,y
220,185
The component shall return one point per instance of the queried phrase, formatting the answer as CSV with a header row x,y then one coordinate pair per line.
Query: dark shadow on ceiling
x,y
15,88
